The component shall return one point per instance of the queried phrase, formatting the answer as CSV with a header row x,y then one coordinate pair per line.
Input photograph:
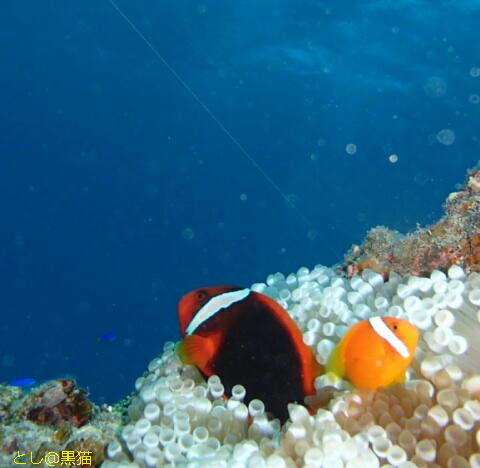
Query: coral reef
x,y
453,240
8,397
57,403
54,421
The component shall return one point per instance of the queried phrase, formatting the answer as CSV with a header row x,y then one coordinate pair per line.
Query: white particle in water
x,y
446,137
435,87
393,158
188,233
474,99
351,148
475,72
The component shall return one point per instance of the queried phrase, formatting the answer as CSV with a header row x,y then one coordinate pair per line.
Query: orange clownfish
x,y
375,353
247,338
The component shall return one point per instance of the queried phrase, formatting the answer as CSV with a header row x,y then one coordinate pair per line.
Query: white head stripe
x,y
382,330
215,305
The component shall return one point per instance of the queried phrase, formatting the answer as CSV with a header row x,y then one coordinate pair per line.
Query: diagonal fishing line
x,y
222,127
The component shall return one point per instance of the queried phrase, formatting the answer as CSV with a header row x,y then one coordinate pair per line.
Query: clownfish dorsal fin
x,y
196,350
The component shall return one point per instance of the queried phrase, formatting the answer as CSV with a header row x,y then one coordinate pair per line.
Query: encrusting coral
x,y
56,403
55,417
453,240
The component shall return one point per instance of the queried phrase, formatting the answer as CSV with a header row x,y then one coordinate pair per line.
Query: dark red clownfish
x,y
247,338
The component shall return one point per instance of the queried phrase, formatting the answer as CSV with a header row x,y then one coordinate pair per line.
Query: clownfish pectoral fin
x,y
196,350
335,364
400,379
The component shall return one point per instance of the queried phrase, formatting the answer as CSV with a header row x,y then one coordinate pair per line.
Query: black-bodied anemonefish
x,y
247,338
375,353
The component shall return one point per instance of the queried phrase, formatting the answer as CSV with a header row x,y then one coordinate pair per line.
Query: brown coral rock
x,y
453,240
58,403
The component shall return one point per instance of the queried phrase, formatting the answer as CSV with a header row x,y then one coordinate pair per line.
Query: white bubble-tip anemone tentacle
x,y
178,418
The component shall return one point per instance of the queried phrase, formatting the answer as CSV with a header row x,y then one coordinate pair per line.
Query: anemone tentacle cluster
x,y
433,419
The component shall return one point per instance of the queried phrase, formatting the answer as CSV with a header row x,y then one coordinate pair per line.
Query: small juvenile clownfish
x,y
247,338
375,353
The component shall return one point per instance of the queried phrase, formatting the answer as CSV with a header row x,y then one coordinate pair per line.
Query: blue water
x,y
119,192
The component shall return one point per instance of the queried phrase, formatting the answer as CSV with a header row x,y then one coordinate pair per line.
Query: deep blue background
x,y
108,166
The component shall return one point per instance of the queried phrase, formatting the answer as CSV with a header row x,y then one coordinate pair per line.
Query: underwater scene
x,y
240,233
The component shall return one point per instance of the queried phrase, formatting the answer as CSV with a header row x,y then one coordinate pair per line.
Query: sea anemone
x,y
178,418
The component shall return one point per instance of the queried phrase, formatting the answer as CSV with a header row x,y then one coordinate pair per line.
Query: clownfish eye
x,y
395,326
200,295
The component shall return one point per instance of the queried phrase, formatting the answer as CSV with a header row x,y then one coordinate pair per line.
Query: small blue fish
x,y
107,338
22,382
